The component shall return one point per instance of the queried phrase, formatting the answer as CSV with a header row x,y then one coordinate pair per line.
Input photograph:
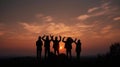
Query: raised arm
x,y
63,39
51,37
75,40
43,37
60,38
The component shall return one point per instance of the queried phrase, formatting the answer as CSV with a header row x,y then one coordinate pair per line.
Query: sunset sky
x,y
95,22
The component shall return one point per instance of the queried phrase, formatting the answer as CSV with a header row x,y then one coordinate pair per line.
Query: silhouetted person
x,y
56,44
78,48
46,45
39,44
68,45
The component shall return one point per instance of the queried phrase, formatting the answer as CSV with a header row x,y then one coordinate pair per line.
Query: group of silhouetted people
x,y
46,40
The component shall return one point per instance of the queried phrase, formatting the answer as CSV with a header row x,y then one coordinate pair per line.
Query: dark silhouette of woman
x,y
68,46
46,45
56,44
78,48
39,44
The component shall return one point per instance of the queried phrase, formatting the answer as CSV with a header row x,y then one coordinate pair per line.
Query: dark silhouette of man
x,y
78,48
68,46
39,44
46,45
56,44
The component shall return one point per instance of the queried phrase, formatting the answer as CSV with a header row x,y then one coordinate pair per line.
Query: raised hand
x,y
60,36
75,39
51,36
64,37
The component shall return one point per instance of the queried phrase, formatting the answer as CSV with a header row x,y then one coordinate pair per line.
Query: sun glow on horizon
x,y
61,47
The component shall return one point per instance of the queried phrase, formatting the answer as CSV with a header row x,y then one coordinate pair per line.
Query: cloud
x,y
76,30
83,17
105,5
106,29
48,18
31,28
56,28
51,27
92,9
45,18
105,32
116,18
81,25
98,14
105,9
86,16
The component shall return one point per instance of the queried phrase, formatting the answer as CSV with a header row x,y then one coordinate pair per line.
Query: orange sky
x,y
95,22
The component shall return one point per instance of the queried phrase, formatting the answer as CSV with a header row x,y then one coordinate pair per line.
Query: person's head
x,y
56,38
79,40
69,39
39,37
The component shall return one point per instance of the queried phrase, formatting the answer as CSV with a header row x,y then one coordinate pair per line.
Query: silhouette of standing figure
x,y
56,44
78,48
46,45
39,44
68,45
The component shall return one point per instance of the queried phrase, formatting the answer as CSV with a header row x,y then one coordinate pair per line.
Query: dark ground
x,y
60,60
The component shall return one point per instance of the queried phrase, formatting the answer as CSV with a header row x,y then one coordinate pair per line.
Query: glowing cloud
x,y
31,28
82,25
44,17
92,9
58,28
83,17
46,28
116,18
48,18
106,29
105,5
103,9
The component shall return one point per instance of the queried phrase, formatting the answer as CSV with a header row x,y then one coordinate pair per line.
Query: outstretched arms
x,y
63,39
60,38
75,40
43,37
51,36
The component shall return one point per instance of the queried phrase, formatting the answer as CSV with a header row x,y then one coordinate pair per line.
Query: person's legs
x,y
54,51
77,55
37,53
67,53
58,51
45,52
48,51
40,53
70,53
